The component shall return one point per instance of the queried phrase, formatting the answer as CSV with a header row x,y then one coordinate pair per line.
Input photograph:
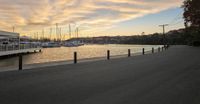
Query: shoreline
x,y
68,62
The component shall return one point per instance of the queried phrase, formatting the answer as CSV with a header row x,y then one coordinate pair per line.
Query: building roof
x,y
5,34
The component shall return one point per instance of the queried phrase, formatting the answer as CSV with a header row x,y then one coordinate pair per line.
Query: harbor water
x,y
66,53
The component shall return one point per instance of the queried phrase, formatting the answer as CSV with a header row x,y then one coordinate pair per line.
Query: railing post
x,y
152,50
108,54
143,51
168,46
158,49
13,48
20,61
129,52
75,57
162,49
6,48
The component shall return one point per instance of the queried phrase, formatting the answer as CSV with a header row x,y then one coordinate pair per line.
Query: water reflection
x,y
66,53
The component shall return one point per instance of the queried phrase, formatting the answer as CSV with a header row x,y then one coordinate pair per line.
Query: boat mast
x,y
57,31
43,35
77,32
69,31
50,33
37,36
60,35
13,28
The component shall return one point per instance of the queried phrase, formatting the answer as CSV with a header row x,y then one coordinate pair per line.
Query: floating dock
x,y
21,51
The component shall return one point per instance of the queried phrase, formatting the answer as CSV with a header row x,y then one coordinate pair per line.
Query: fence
x,y
12,47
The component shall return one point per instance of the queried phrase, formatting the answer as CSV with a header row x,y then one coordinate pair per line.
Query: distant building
x,y
4,34
8,37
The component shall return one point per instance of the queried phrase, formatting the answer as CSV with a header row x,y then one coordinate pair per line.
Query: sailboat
x,y
73,43
52,44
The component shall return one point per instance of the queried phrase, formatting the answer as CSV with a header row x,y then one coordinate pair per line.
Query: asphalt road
x,y
169,77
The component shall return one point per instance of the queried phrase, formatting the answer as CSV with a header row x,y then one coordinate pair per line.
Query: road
x,y
169,77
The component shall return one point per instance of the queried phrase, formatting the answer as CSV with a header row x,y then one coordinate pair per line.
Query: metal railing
x,y
11,47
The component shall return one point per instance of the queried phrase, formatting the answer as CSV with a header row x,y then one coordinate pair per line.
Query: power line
x,y
178,17
176,23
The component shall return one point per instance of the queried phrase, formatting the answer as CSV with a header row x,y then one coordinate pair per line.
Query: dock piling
x,y
108,54
75,57
20,61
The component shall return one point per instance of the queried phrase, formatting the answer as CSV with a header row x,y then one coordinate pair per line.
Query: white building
x,y
8,37
8,34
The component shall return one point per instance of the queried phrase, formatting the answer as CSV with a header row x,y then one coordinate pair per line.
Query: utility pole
x,y
164,37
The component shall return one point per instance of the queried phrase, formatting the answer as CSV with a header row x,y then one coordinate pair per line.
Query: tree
x,y
192,21
192,13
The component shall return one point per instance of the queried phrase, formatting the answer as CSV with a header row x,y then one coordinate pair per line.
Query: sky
x,y
92,17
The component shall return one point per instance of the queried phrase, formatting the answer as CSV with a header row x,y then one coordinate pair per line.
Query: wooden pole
x,y
152,50
20,61
129,52
75,57
108,55
143,51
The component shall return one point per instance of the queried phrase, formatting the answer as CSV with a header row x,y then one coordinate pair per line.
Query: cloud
x,y
32,15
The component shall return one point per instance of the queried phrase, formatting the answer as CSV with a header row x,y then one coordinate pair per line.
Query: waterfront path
x,y
169,77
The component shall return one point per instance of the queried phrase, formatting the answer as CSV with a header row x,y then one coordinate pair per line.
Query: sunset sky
x,y
93,17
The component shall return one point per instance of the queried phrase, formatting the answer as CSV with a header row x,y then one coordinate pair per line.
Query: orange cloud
x,y
33,15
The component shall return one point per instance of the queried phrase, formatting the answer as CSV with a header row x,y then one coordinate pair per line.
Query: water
x,y
66,53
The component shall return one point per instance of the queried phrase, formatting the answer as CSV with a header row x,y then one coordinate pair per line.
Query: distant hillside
x,y
172,37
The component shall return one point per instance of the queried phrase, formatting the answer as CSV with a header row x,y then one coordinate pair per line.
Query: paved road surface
x,y
170,77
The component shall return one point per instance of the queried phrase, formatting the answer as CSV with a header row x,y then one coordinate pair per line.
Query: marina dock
x,y
169,77
21,51
11,44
